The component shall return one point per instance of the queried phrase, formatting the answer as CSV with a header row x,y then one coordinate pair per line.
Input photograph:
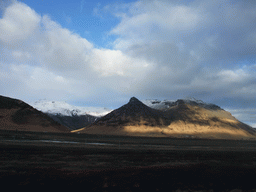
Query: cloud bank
x,y
164,49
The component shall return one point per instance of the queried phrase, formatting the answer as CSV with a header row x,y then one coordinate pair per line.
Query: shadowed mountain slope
x,y
75,121
181,119
17,115
134,113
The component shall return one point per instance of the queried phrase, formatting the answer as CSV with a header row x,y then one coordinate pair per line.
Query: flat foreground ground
x,y
112,163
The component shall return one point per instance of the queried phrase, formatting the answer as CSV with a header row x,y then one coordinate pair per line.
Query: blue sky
x,y
101,53
86,18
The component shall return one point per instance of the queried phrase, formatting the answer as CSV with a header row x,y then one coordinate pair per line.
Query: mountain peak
x,y
134,100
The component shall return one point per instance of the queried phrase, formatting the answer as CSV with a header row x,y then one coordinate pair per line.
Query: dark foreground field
x,y
105,163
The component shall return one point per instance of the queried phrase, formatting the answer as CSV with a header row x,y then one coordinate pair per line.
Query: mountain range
x,y
183,118
75,117
180,119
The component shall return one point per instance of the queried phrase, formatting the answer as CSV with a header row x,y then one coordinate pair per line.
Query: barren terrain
x,y
119,163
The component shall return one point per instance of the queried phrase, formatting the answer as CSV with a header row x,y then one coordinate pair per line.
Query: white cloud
x,y
55,60
164,49
61,49
200,44
18,23
231,76
36,78
201,26
156,15
114,62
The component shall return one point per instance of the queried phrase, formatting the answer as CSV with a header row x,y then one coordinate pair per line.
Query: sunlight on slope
x,y
77,130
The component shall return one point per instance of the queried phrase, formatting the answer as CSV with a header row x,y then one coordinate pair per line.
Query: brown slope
x,y
180,120
17,115
191,120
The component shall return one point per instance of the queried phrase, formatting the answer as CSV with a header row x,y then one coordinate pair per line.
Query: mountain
x,y
181,119
65,109
18,115
73,117
134,113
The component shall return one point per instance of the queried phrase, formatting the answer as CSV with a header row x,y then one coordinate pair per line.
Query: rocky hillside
x,y
181,118
18,115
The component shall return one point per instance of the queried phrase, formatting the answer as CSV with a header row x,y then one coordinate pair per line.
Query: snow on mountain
x,y
165,104
157,104
65,109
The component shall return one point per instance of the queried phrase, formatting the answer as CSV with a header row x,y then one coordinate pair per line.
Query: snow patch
x,y
165,104
65,109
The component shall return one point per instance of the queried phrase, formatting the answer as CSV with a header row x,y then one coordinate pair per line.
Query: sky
x,y
101,53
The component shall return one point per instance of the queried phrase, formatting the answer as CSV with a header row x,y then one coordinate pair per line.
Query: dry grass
x,y
33,122
179,129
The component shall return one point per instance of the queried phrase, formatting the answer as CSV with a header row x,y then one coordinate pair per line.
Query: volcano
x,y
180,119
18,115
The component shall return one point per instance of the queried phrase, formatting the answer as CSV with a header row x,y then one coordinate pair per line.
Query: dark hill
x,y
18,115
134,113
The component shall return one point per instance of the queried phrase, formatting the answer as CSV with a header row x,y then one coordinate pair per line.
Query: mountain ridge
x,y
65,109
165,104
179,119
